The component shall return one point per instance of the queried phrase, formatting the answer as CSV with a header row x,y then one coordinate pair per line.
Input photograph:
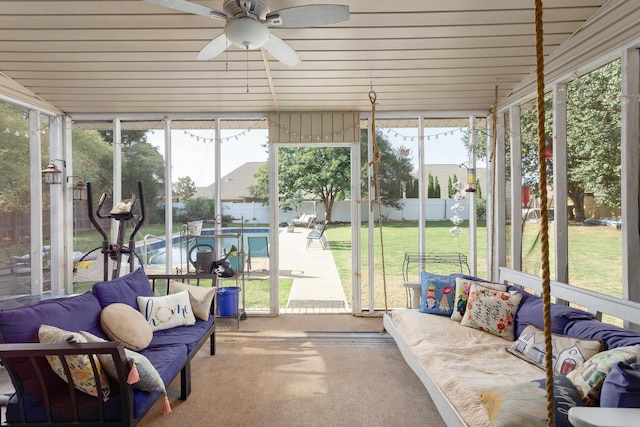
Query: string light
x,y
397,134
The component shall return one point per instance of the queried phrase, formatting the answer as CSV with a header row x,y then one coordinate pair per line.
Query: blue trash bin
x,y
228,300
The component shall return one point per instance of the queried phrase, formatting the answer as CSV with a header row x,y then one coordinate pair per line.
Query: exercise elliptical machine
x,y
122,212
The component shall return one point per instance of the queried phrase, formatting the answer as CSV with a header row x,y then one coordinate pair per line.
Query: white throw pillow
x,y
168,311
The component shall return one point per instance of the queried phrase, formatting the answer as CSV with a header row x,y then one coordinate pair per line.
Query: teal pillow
x,y
438,292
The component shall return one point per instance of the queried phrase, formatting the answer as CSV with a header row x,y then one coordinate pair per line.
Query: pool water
x,y
156,251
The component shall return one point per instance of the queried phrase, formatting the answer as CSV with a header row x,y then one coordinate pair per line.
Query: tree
x,y
143,162
127,137
199,208
185,188
593,139
412,188
325,173
451,190
394,169
432,188
307,173
260,187
14,160
92,159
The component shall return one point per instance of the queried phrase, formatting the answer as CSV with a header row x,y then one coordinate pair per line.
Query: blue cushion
x,y
438,292
530,313
613,336
80,312
168,360
187,335
89,409
621,386
20,325
125,289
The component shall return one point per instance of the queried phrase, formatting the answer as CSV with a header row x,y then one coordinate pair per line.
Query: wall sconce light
x,y
53,175
79,190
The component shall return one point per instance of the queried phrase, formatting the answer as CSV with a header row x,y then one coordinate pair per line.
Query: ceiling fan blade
x,y
308,16
280,50
190,7
214,48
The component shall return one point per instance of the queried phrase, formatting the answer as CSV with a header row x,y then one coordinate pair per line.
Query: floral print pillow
x,y
492,311
79,364
463,286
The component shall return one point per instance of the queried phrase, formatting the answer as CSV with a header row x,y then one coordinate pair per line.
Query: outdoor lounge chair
x,y
305,220
318,234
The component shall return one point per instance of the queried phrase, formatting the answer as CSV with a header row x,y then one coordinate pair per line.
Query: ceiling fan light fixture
x,y
247,33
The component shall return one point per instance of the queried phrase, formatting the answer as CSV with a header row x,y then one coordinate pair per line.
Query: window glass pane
x,y
15,218
593,174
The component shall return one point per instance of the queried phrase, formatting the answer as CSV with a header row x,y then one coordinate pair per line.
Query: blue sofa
x,y
42,396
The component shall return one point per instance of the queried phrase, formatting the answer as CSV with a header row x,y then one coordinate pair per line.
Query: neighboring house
x,y
174,198
234,185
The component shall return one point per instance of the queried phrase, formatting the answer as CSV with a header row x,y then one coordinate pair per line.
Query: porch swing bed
x,y
474,379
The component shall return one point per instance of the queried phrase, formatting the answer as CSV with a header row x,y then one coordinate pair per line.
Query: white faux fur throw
x,y
462,361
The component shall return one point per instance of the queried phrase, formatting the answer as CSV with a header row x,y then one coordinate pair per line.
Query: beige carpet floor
x,y
296,378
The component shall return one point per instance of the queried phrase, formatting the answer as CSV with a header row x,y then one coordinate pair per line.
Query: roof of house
x,y
234,185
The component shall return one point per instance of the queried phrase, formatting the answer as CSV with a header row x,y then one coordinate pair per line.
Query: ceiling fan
x,y
248,23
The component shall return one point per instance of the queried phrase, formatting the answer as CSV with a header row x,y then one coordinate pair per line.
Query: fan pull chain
x,y
247,70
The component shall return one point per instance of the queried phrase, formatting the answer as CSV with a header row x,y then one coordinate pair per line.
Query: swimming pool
x,y
155,253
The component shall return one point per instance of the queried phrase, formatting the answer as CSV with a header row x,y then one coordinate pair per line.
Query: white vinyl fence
x,y
436,210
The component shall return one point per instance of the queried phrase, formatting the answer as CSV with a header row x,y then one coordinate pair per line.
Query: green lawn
x,y
595,255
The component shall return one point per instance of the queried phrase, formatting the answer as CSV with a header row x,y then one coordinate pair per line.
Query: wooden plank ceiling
x,y
131,56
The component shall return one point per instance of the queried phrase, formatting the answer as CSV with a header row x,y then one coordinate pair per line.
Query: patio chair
x,y
21,264
258,248
305,220
318,234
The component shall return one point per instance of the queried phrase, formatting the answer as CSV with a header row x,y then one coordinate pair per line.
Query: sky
x,y
193,150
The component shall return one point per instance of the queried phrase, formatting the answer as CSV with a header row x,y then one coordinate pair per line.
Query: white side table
x,y
416,289
587,416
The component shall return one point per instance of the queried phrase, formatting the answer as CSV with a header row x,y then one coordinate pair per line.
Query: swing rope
x,y
544,220
376,164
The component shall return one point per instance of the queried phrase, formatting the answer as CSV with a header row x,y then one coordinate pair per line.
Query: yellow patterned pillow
x,y
79,365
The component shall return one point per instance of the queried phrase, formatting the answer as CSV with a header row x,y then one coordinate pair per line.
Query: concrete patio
x,y
317,288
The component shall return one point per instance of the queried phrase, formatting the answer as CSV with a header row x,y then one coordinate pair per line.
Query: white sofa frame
x,y
595,303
